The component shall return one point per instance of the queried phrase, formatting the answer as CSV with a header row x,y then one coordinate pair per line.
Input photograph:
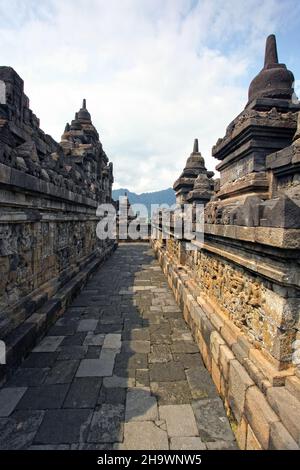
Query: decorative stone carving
x,y
185,183
49,196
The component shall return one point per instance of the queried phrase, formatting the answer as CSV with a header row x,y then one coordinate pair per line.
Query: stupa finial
x,y
271,56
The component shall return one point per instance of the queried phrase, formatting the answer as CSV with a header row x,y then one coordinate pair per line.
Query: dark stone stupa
x,y
274,80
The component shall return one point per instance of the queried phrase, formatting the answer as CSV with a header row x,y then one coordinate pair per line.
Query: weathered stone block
x,y
241,433
280,439
287,408
216,341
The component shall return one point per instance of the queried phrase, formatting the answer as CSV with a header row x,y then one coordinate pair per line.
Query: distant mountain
x,y
165,196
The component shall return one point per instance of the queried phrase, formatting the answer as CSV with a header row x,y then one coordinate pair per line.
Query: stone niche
x,y
240,288
49,193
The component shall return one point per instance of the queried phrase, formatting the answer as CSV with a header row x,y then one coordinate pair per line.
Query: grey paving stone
x,y
212,421
18,431
109,328
143,435
184,347
102,367
87,325
221,445
142,378
136,346
139,334
166,372
82,300
171,393
171,308
75,340
186,443
200,383
94,446
83,393
93,352
49,344
180,420
114,396
160,337
9,398
107,424
130,325
63,426
50,447
160,353
40,360
112,341
62,372
94,339
145,318
189,360
127,361
65,329
179,335
28,377
118,382
69,353
140,405
43,397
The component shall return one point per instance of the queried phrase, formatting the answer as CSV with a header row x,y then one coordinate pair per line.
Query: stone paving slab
x,y
83,393
211,420
63,427
200,383
137,346
18,431
28,377
180,420
62,372
88,324
40,360
186,443
140,405
119,370
107,424
166,372
143,435
43,397
94,339
9,398
49,344
112,341
171,393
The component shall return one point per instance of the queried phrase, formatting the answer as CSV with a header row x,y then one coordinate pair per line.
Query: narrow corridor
x,y
119,370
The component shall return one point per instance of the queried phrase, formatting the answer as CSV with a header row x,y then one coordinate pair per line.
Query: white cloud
x,y
156,73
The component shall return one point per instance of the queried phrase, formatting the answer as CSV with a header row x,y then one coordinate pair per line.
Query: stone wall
x,y
224,306
49,196
240,288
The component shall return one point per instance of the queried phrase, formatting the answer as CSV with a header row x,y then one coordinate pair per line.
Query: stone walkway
x,y
119,370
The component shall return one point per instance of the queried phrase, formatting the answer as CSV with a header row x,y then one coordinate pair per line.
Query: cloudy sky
x,y
155,73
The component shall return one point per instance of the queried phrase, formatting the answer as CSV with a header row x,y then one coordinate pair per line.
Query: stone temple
x,y
111,348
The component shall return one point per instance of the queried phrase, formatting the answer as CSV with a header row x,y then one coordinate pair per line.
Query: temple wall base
x,y
262,400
